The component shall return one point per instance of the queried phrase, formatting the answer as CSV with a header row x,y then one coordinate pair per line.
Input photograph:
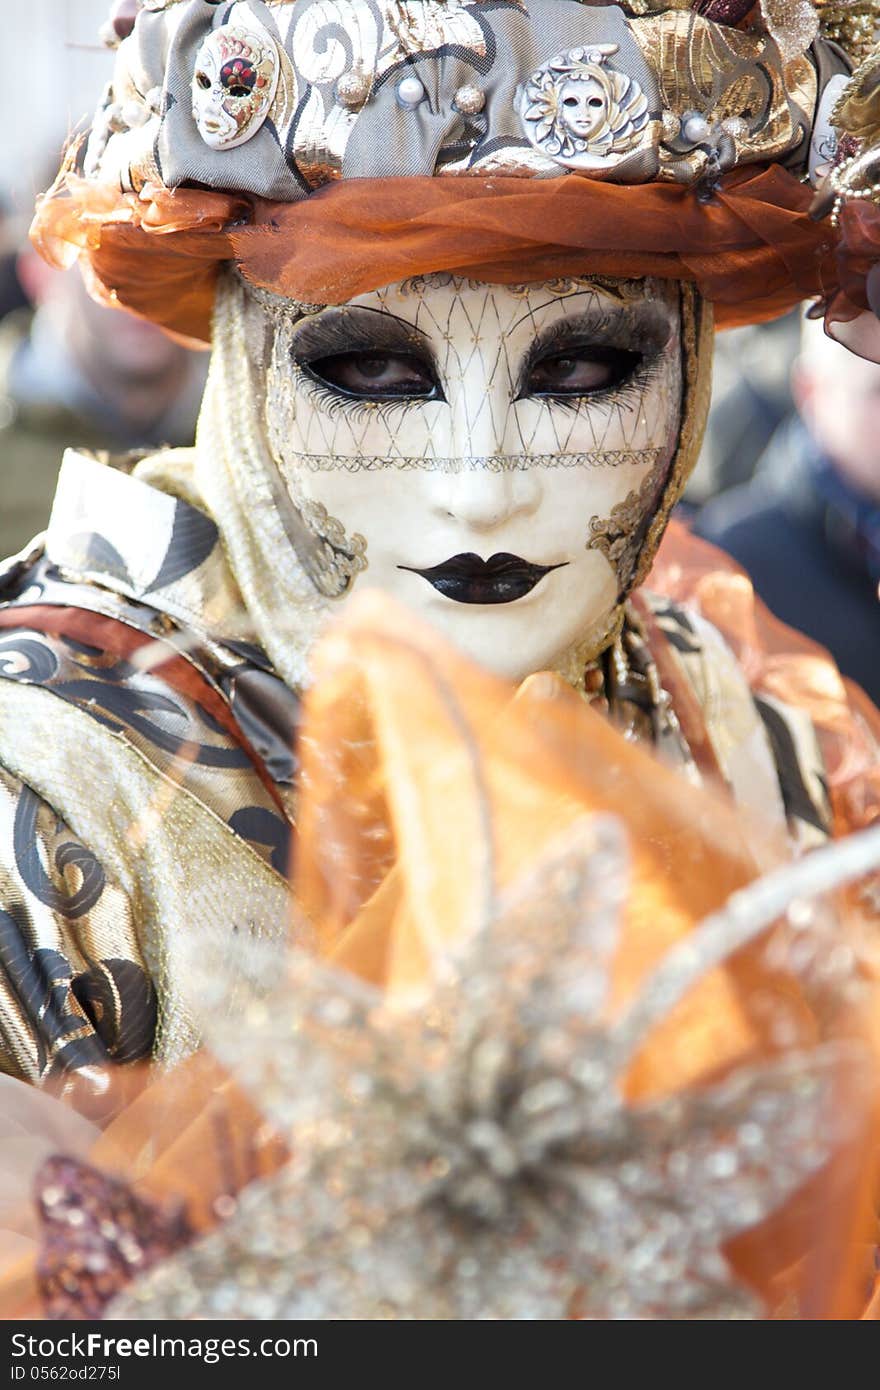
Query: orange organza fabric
x,y
851,312
859,225
427,782
751,248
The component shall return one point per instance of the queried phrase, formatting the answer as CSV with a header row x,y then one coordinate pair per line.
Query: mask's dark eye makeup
x,y
580,371
361,355
376,376
600,355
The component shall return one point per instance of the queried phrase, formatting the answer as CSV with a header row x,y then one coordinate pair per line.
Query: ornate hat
x,y
332,146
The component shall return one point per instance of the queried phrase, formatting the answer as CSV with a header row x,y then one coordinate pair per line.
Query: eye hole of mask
x,y
581,371
377,376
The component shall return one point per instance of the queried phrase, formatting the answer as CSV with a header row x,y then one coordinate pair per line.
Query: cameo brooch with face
x,y
582,112
234,85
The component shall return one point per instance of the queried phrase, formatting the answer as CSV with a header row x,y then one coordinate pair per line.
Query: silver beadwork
x,y
352,89
695,128
736,127
472,1155
469,100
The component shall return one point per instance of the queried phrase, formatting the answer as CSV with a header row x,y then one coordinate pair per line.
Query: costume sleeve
x,y
74,990
817,722
768,748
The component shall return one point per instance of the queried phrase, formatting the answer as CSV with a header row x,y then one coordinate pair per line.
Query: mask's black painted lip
x,y
502,578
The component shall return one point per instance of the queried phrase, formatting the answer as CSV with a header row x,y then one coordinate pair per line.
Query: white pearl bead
x,y
410,91
695,129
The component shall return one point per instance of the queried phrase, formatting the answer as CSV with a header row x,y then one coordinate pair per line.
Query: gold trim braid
x,y
697,352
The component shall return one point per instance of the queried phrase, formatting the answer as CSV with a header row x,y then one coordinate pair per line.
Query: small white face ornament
x,y
234,85
582,106
583,112
490,456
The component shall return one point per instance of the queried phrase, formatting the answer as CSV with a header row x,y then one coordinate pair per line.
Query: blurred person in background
x,y
75,373
807,527
751,397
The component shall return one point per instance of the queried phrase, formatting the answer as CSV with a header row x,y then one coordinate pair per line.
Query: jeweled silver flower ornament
x,y
469,1153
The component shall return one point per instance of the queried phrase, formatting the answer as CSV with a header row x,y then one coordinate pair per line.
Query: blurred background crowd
x,y
72,373
789,479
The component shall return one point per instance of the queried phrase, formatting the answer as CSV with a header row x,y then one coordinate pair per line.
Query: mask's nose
x,y
480,493
484,498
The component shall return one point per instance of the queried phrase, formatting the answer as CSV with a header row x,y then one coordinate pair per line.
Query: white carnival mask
x,y
234,84
490,456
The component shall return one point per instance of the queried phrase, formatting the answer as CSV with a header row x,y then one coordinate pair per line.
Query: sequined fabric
x,y
99,1237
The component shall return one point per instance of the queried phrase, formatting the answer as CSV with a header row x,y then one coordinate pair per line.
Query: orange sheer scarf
x,y
751,249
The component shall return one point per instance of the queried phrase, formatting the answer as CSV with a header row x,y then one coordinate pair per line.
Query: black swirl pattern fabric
x,y
41,980
27,659
791,739
119,1000
177,732
75,989
193,537
68,854
62,1006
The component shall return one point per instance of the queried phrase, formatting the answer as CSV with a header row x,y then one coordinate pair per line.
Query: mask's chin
x,y
561,625
504,655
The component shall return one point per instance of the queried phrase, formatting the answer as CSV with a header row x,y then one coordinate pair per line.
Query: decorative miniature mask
x,y
582,112
234,84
